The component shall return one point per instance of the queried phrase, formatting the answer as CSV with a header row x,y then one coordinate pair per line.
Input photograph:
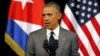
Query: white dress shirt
x,y
56,33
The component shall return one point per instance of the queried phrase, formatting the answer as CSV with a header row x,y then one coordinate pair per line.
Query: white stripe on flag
x,y
79,31
93,33
63,25
98,18
81,54
28,27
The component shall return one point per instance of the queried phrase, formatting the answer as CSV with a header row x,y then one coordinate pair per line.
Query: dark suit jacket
x,y
68,44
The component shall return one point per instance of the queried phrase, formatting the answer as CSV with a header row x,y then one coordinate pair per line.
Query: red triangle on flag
x,y
31,12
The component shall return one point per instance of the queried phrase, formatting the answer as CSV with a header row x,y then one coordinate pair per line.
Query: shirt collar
x,y
56,31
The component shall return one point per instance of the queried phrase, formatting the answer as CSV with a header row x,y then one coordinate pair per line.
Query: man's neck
x,y
54,28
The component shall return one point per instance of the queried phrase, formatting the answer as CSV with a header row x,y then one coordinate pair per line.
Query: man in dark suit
x,y
68,43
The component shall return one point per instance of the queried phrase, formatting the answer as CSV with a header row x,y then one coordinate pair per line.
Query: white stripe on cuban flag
x,y
28,27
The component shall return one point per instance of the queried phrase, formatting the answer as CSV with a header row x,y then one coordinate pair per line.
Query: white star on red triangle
x,y
24,2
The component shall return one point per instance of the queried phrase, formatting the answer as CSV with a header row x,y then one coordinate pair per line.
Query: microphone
x,y
46,45
55,44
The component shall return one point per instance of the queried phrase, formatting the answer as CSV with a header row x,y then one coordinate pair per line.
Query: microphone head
x,y
45,44
55,44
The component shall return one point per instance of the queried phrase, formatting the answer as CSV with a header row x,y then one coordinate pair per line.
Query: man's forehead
x,y
53,8
49,9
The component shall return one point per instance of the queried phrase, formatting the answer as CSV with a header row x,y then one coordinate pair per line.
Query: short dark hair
x,y
53,4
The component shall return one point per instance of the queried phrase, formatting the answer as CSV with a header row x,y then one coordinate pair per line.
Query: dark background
x,y
5,50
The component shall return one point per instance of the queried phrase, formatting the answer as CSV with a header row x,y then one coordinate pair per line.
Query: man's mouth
x,y
47,23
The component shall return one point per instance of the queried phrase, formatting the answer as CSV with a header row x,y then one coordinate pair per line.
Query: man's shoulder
x,y
38,31
68,31
72,35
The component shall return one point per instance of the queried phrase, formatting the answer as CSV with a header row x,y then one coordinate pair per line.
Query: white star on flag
x,y
24,2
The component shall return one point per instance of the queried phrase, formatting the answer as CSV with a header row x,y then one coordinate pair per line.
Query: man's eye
x,y
49,14
43,14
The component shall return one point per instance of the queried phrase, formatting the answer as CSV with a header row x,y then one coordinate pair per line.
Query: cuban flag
x,y
24,17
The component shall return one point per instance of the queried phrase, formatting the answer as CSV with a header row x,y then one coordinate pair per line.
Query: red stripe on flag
x,y
68,23
96,26
92,43
82,48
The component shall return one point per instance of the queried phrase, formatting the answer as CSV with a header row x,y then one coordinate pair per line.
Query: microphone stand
x,y
52,53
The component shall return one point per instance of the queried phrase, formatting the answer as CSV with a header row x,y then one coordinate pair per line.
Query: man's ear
x,y
59,16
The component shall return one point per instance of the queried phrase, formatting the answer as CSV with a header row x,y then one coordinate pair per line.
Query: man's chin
x,y
48,27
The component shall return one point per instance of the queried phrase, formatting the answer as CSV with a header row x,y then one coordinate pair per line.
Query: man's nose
x,y
46,18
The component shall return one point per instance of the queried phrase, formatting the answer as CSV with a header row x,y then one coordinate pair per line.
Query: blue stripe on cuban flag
x,y
17,34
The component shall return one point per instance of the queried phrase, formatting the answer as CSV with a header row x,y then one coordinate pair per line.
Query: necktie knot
x,y
52,33
51,36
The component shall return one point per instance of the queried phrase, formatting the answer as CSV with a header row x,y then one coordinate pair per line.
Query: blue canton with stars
x,y
84,10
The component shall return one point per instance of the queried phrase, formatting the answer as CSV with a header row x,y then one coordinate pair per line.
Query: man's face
x,y
51,17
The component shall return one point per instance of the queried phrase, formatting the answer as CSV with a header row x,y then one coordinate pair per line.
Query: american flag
x,y
83,17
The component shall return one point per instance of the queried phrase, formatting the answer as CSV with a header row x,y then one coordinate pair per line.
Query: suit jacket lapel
x,y
43,35
61,41
42,38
